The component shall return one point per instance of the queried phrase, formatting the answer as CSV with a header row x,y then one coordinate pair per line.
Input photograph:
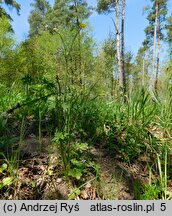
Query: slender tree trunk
x,y
158,58
112,84
143,71
154,43
123,47
118,47
79,44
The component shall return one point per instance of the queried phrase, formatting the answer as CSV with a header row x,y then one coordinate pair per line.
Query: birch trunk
x,y
118,47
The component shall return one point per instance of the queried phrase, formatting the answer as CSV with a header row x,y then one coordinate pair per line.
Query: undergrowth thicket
x,y
79,120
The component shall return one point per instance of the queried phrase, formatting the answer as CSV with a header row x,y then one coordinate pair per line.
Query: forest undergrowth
x,y
79,119
76,143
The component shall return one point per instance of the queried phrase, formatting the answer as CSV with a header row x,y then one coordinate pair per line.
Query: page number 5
x,y
163,207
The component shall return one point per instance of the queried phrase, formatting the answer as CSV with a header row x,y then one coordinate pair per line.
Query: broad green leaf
x,y
3,167
77,163
7,181
75,193
76,173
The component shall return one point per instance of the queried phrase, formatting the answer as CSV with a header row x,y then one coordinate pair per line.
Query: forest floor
x,y
40,175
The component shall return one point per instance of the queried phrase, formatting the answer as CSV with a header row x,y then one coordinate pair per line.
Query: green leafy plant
x,y
75,156
7,173
151,192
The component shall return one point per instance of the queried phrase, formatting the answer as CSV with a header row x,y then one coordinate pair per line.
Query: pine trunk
x,y
122,48
158,59
154,43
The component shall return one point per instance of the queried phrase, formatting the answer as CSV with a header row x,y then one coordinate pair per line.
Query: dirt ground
x,y
40,175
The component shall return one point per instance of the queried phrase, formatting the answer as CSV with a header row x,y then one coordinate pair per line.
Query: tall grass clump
x,y
130,122
164,144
